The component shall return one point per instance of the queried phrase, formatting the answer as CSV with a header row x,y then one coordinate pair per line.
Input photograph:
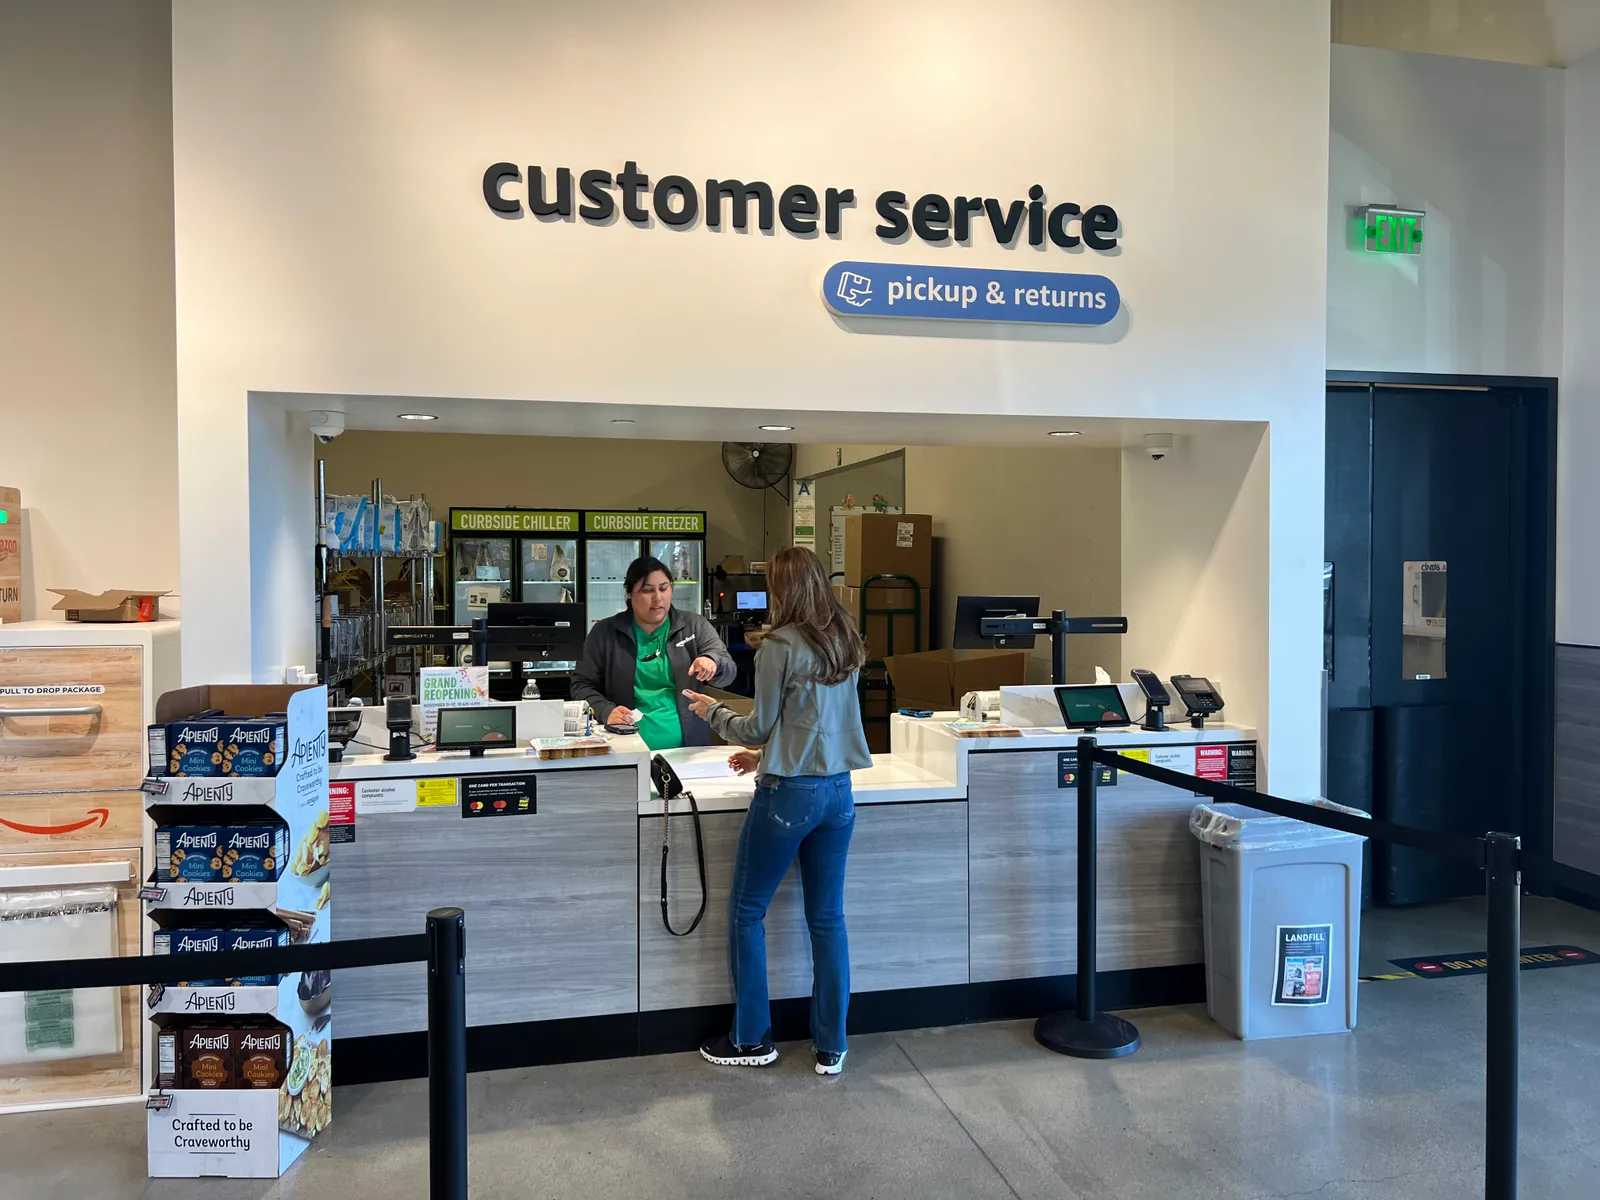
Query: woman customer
x,y
807,720
637,664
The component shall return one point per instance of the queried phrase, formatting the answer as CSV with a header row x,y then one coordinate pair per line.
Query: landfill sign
x,y
1304,961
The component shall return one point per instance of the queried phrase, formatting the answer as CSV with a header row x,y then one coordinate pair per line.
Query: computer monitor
x,y
751,601
486,727
970,610
538,632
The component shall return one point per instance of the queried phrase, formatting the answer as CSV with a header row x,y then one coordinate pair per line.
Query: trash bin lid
x,y
1243,829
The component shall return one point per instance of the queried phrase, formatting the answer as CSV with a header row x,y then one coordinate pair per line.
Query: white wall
x,y
1194,538
280,537
88,420
335,239
1478,146
1578,500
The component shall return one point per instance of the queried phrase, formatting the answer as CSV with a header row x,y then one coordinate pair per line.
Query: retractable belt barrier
x,y
442,947
1087,1033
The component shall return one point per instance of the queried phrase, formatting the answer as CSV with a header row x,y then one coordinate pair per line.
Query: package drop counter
x,y
547,880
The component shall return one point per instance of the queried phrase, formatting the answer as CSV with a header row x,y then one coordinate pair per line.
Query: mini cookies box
x,y
220,819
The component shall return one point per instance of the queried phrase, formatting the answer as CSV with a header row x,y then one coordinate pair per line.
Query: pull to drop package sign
x,y
870,289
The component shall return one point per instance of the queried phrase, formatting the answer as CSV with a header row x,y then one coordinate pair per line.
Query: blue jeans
x,y
813,817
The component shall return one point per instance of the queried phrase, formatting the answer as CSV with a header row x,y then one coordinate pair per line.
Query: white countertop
x,y
363,763
889,780
926,743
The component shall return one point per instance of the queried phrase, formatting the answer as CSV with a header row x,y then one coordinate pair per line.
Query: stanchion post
x,y
447,1054
1087,1032
1505,982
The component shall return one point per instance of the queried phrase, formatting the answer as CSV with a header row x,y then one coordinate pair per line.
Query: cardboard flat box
x,y
10,555
888,544
886,633
121,604
938,679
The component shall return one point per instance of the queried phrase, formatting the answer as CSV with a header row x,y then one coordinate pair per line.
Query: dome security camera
x,y
327,425
1157,445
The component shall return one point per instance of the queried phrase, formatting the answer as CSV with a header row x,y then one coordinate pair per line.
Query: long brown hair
x,y
802,600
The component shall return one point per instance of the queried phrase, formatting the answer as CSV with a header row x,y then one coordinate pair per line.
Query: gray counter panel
x,y
905,907
1024,845
550,902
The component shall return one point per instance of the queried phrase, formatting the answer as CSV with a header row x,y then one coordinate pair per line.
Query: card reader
x,y
1200,698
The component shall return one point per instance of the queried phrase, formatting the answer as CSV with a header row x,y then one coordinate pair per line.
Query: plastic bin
x,y
1282,909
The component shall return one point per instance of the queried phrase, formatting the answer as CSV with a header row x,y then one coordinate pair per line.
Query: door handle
x,y
87,710
92,711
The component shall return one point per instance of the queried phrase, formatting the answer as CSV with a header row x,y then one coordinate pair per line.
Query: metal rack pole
x,y
324,601
379,631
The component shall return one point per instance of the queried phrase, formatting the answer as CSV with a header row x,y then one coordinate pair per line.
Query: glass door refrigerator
x,y
511,554
612,540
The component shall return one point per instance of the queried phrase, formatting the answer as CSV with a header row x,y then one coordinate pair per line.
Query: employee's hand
x,y
744,761
704,669
699,705
622,715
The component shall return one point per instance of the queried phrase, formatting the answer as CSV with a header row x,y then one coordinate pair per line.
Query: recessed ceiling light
x,y
622,420
1066,433
418,417
778,428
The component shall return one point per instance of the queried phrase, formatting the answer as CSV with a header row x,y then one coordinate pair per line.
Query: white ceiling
x,y
556,419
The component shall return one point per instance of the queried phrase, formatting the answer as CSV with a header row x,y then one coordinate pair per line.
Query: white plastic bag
x,y
1243,829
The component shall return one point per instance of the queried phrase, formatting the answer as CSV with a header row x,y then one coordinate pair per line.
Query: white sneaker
x,y
828,1063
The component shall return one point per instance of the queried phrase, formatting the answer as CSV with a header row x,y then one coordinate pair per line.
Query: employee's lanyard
x,y
671,787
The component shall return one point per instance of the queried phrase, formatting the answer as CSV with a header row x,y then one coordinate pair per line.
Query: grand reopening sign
x,y
852,289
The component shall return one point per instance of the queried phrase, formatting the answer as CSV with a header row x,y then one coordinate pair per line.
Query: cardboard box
x,y
938,679
836,518
121,604
10,554
888,544
910,633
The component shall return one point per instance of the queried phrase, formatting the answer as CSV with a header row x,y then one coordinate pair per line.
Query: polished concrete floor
x,y
1395,1109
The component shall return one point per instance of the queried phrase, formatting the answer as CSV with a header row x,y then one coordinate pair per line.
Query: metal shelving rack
x,y
352,646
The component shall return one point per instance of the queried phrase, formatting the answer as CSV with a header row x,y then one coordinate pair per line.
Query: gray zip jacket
x,y
611,655
804,727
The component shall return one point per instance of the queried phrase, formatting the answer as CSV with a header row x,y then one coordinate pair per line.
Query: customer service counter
x,y
960,887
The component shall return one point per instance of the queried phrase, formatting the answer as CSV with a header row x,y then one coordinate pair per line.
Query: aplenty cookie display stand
x,y
241,1132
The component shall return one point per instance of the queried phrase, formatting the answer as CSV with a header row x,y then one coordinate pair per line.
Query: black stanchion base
x,y
1104,1037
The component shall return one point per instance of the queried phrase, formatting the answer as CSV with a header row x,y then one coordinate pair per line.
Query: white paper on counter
x,y
716,768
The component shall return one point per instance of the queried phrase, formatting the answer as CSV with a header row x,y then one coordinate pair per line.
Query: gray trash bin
x,y
1282,907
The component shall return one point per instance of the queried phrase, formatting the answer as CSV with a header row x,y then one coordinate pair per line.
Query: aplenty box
x,y
938,679
888,633
888,544
118,605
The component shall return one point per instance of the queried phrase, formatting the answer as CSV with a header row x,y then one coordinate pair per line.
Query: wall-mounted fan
x,y
757,465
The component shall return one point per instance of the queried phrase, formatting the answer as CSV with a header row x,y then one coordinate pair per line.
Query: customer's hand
x,y
704,669
622,715
744,761
699,705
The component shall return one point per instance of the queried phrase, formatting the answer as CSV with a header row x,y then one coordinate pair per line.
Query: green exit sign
x,y
1392,230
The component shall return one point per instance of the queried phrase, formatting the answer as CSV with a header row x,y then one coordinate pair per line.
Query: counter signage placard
x,y
645,522
436,793
498,795
1067,771
341,813
385,796
872,289
512,520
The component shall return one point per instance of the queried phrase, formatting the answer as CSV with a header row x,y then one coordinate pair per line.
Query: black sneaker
x,y
726,1053
829,1063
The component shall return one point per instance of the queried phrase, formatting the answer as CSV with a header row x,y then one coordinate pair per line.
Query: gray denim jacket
x,y
610,660
804,727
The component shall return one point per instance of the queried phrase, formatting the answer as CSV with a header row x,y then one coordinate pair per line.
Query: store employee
x,y
637,665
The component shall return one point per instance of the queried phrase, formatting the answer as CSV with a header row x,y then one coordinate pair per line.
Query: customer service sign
x,y
681,206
